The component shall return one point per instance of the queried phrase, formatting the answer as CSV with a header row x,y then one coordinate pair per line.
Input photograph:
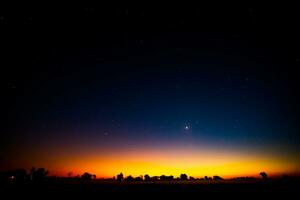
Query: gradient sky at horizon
x,y
186,100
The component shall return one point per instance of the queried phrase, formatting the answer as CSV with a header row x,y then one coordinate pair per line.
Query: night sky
x,y
202,90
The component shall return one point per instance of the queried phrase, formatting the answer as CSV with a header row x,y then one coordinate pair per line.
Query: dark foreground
x,y
232,189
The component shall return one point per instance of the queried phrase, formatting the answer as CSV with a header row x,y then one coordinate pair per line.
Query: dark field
x,y
100,188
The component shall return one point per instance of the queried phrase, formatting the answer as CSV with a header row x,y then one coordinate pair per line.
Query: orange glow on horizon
x,y
193,162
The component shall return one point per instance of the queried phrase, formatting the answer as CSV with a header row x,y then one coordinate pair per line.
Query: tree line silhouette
x,y
21,175
182,177
38,175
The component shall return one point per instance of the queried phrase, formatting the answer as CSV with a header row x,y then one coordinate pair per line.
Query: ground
x,y
171,189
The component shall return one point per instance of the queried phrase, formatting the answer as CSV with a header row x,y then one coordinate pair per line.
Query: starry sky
x,y
200,90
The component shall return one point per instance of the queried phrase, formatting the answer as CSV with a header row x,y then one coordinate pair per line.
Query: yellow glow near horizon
x,y
195,163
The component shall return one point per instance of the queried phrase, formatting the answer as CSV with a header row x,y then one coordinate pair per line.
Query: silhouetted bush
x,y
183,177
263,175
166,178
86,176
147,177
138,179
162,178
38,175
207,178
129,178
217,178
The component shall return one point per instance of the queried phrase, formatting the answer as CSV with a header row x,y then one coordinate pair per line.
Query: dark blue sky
x,y
217,102
228,75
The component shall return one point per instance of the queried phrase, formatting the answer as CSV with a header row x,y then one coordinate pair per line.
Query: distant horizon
x,y
99,176
155,160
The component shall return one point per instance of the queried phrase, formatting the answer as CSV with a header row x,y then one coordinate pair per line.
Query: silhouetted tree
x,y
162,178
183,177
192,178
39,174
138,178
147,177
207,178
217,178
154,178
263,175
166,178
86,176
129,178
120,177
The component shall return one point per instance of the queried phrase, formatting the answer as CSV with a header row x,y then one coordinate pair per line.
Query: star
x,y
187,128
